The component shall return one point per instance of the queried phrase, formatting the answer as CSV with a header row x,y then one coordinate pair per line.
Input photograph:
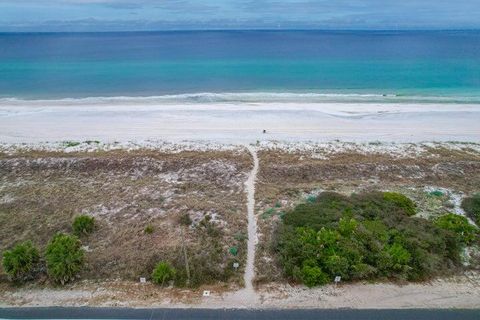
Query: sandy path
x,y
246,297
252,222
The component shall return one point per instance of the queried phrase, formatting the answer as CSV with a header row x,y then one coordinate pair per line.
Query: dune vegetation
x,y
368,236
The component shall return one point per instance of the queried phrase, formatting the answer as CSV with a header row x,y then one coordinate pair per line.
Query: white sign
x,y
337,279
143,280
236,265
206,293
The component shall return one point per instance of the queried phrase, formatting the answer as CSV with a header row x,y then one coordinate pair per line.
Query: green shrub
x,y
83,225
313,276
163,273
401,201
64,257
459,225
149,229
365,236
471,205
21,263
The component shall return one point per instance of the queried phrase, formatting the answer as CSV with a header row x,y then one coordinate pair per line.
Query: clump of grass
x,y
83,225
149,229
163,273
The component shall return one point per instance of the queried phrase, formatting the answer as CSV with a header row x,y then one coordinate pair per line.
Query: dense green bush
x,y
64,257
313,276
83,224
471,205
163,273
464,231
365,236
401,201
21,263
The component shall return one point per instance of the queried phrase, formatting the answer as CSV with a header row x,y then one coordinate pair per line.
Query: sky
x,y
137,15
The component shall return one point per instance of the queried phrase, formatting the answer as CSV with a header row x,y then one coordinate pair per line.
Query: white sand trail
x,y
252,223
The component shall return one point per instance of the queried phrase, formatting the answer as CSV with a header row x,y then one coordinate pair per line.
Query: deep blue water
x,y
427,63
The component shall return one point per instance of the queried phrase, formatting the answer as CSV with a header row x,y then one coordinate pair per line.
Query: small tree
x,y
163,272
64,257
21,262
83,224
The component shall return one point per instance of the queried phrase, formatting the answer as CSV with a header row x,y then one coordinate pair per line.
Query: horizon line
x,y
253,29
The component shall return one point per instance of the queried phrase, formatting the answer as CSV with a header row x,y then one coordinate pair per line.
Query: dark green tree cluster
x,y
471,205
365,236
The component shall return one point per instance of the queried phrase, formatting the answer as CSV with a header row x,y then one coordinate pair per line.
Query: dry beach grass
x,y
126,192
42,189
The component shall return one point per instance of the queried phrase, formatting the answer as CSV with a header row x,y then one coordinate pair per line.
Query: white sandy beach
x,y
79,120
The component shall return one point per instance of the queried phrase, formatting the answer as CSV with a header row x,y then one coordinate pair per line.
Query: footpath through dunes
x,y
247,297
252,222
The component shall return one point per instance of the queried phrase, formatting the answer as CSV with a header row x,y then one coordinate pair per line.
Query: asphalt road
x,y
181,314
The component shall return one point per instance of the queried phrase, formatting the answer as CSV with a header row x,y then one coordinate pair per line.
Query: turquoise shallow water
x,y
347,66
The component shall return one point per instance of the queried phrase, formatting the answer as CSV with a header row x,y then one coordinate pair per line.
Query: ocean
x,y
250,66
